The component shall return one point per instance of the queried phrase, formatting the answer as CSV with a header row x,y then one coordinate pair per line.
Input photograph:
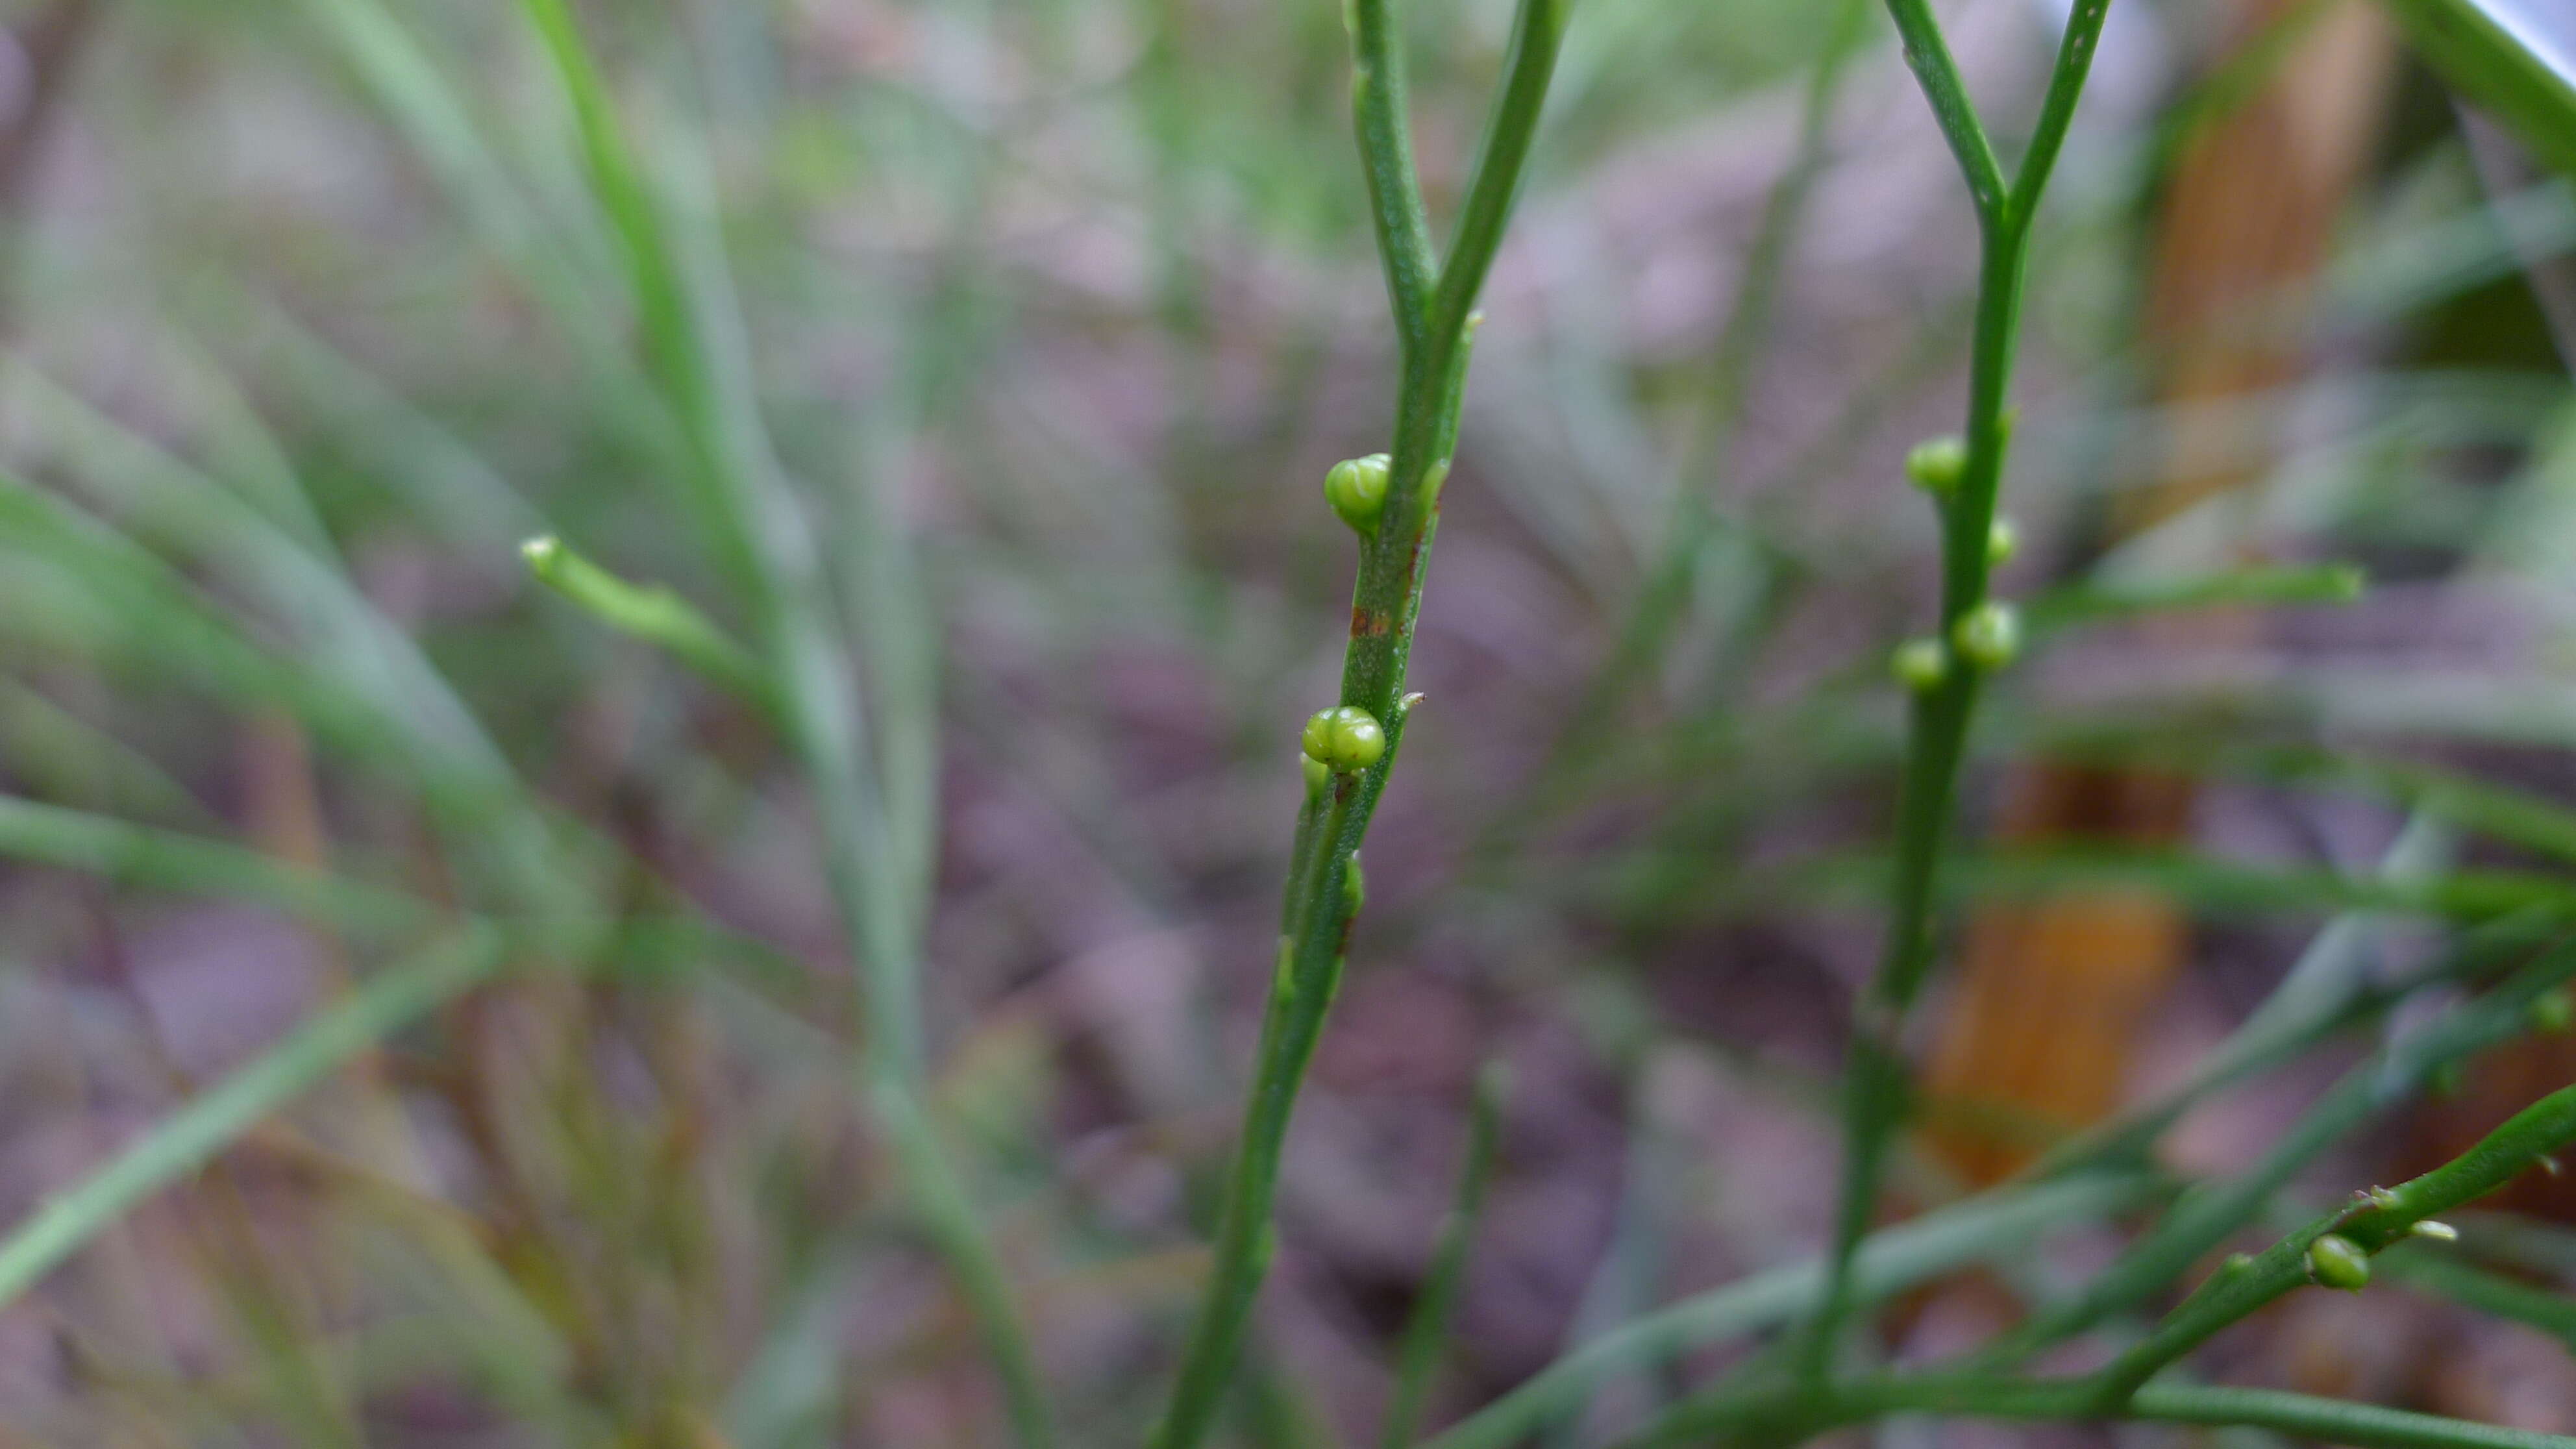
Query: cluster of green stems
x,y
1435,322
797,670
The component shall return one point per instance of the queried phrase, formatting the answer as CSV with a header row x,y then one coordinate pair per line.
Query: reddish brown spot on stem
x,y
1367,623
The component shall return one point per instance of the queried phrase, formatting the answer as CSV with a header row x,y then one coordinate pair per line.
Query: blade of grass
x,y
186,1140
695,351
185,865
66,756
439,126
2516,57
2084,604
2439,1273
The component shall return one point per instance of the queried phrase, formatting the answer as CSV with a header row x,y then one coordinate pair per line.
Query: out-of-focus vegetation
x,y
459,993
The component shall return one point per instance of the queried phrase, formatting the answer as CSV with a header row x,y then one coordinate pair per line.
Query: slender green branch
x,y
1302,988
1322,896
187,1139
1383,119
651,613
2204,1218
1875,1093
2372,1222
1538,29
1780,1413
2057,111
2328,1421
1927,53
1426,1334
2334,1250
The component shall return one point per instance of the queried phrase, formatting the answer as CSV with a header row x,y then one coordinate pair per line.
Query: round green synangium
x,y
1936,465
1344,739
1919,663
1989,635
2338,1262
1356,489
2003,540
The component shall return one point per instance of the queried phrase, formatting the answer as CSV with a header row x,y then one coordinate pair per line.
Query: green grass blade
x,y
76,762
2089,603
169,861
2516,58
186,1140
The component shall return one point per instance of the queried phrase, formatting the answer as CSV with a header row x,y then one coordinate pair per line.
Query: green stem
x,y
653,614
2204,1218
1875,1094
1427,1333
1434,312
1927,53
2328,1421
1308,975
1779,1413
1538,31
1381,116
2373,1221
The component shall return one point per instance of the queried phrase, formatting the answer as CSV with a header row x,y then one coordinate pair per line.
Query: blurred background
x,y
1056,315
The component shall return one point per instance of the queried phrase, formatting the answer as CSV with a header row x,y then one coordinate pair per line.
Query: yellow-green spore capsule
x,y
1919,664
1936,465
1356,489
2336,1261
1988,636
2003,540
1344,739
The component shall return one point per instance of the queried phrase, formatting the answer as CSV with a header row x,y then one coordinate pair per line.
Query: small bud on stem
x,y
1988,636
2335,1261
1344,739
1356,489
1936,465
1919,664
